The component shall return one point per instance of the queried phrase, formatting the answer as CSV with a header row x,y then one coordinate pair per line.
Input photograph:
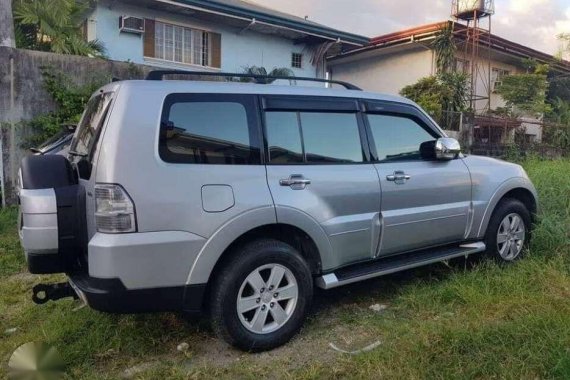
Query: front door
x,y
425,202
316,165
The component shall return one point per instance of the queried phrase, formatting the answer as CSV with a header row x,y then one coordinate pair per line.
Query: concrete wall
x,y
386,73
238,49
22,96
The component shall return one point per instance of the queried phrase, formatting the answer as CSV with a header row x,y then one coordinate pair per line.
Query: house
x,y
213,35
392,61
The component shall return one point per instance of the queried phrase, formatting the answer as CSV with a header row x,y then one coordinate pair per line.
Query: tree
x,y
560,112
564,38
6,25
446,92
53,25
526,93
427,93
262,72
445,48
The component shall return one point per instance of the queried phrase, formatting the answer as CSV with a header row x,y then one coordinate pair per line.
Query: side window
x,y
397,137
283,138
331,137
209,129
313,137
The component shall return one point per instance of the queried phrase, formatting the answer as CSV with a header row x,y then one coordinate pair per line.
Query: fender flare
x,y
300,219
220,240
504,188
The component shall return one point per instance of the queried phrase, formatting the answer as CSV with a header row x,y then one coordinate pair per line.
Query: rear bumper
x,y
143,260
111,296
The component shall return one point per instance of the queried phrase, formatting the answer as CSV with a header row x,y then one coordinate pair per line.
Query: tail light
x,y
115,210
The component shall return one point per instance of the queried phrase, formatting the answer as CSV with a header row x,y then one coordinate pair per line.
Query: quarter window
x,y
397,137
209,132
313,137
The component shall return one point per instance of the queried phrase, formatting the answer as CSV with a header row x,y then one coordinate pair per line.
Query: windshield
x,y
87,133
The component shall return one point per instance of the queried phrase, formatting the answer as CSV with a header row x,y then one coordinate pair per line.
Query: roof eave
x,y
428,31
315,30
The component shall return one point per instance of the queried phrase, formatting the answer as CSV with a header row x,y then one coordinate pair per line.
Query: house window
x,y
462,66
297,60
180,44
497,76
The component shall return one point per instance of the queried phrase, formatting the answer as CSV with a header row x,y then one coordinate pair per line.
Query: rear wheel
x,y
508,231
261,296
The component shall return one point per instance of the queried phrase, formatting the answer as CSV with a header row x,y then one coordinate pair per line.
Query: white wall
x,y
483,79
386,73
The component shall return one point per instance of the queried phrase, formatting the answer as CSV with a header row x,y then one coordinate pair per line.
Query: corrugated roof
x,y
249,10
428,31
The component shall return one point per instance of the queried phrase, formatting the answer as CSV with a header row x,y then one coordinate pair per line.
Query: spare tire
x,y
52,215
47,172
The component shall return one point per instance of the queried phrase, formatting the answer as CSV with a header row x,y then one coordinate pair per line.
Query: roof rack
x,y
260,79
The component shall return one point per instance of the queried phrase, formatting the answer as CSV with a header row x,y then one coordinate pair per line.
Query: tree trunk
x,y
6,24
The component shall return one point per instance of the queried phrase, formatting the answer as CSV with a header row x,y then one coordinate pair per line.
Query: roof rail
x,y
260,79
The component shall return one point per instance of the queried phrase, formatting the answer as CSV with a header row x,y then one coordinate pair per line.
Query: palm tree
x,y
261,72
53,25
445,48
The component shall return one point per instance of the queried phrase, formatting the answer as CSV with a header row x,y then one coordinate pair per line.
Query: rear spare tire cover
x,y
45,172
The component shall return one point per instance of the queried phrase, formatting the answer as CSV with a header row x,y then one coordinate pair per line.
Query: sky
x,y
534,23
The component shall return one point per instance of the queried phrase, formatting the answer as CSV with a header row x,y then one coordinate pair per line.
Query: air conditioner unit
x,y
130,24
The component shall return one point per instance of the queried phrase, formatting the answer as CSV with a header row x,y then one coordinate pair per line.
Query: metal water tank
x,y
467,8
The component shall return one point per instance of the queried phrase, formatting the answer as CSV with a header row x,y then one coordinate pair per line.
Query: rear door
x,y
424,202
318,166
84,146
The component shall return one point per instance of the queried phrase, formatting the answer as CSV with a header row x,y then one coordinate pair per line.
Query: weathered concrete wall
x,y
22,96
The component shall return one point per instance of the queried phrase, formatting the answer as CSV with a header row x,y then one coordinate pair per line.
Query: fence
x,y
22,97
498,136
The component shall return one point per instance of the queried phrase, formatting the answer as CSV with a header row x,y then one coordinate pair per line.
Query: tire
x,y
505,215
247,275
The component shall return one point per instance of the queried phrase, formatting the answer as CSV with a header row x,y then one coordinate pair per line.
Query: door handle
x,y
295,182
399,177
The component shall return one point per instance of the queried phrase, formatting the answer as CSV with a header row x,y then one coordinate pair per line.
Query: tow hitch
x,y
43,293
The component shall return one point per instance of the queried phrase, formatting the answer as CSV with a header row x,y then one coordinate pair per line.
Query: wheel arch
x,y
312,242
516,188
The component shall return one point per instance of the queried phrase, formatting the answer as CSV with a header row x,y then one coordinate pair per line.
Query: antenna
x,y
475,34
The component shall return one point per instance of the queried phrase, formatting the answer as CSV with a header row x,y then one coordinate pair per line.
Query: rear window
x,y
209,129
89,127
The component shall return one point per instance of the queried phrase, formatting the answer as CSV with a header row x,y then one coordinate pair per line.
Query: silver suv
x,y
239,198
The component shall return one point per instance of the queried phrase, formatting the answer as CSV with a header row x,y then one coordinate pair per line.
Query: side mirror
x,y
447,148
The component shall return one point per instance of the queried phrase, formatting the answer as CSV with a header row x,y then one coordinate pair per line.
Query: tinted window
x,y
319,138
331,137
88,129
283,137
397,138
208,132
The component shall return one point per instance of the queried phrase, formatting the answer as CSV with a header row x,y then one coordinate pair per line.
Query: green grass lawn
x,y
471,319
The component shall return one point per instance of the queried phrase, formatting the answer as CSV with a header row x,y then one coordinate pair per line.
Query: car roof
x,y
182,86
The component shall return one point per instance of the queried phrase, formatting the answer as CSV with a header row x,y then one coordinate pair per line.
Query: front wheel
x,y
508,231
261,296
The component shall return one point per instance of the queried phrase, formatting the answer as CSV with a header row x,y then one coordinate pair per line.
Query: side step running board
x,y
393,264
